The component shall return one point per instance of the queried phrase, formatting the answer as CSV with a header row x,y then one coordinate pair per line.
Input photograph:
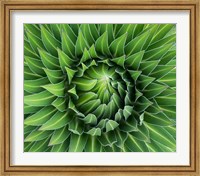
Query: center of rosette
x,y
97,91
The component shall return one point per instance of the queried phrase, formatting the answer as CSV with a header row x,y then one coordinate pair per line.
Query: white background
x,y
180,157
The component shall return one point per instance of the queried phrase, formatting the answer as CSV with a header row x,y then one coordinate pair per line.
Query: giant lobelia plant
x,y
99,87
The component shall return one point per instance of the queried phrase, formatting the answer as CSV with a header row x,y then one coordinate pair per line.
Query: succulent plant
x,y
99,88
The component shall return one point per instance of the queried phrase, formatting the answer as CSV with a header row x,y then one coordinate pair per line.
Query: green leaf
x,y
39,99
69,32
142,134
35,42
135,145
101,44
60,103
138,94
68,46
29,75
111,125
148,66
154,147
33,28
28,129
30,109
117,27
64,60
84,84
76,126
154,90
157,53
35,65
138,29
119,60
164,41
62,147
37,136
75,28
94,31
92,145
86,56
90,119
50,42
70,74
107,139
142,104
169,111
85,98
59,136
40,117
171,130
81,44
160,135
170,55
109,28
127,111
127,28
90,106
54,76
34,86
119,115
161,71
99,111
162,31
27,146
93,52
58,120
77,143
134,60
136,44
94,132
157,119
40,146
85,28
135,74
169,79
144,81
56,89
117,46
129,125
121,138
166,100
56,29
112,148
73,92
28,50
48,60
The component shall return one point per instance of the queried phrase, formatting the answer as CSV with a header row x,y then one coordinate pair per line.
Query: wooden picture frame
x,y
7,6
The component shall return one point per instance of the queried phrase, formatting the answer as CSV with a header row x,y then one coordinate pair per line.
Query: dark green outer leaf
x,y
37,136
59,136
50,42
117,46
77,143
41,116
58,120
35,65
136,145
101,44
39,99
92,145
160,135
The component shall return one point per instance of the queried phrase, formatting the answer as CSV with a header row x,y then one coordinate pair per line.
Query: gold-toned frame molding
x,y
7,6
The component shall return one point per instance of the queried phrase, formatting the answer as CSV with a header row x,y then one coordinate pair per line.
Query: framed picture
x,y
99,87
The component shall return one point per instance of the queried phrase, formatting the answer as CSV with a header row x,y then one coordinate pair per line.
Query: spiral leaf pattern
x,y
99,87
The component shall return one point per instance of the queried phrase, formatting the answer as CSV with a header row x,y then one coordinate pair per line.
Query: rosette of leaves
x,y
99,87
